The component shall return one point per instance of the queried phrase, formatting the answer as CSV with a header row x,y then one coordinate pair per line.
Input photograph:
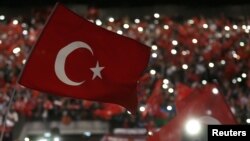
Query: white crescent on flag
x,y
61,58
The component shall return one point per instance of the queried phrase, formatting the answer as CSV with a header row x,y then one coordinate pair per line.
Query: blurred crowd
x,y
193,51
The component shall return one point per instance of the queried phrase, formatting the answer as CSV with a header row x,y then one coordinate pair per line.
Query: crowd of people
x,y
194,51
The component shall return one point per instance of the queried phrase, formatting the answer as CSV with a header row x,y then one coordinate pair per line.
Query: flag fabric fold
x,y
206,104
75,58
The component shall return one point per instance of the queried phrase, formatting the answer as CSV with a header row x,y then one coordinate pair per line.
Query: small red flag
x,y
183,92
75,58
206,105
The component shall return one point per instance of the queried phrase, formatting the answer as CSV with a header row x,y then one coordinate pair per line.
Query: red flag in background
x,y
153,106
108,111
169,132
206,104
75,58
183,92
207,101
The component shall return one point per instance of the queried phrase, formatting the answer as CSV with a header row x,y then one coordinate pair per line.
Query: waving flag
x,y
75,58
206,105
184,92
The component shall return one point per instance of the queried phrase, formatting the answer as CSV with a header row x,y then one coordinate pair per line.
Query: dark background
x,y
125,3
119,8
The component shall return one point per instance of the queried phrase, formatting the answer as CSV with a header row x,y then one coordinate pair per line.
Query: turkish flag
x,y
75,58
205,104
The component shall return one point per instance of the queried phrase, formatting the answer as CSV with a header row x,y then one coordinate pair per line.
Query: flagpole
x,y
6,113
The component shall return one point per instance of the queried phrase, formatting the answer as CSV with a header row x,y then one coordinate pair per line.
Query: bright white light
x,y
222,62
16,50
184,66
227,28
152,72
164,86
235,27
239,79
26,139
154,55
234,81
247,30
109,28
227,35
174,42
25,32
205,26
204,82
193,127
244,75
165,81
140,29
242,44
211,65
154,47
150,133
119,32
185,52
129,112
137,21
1,42
98,22
248,120
91,20
209,112
42,140
47,134
194,41
235,55
169,108
87,134
244,26
215,91
170,90
173,51
15,22
56,139
2,17
232,110
190,21
142,109
166,27
24,61
156,15
111,19
248,26
126,26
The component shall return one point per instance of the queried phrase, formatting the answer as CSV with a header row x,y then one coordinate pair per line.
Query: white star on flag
x,y
97,71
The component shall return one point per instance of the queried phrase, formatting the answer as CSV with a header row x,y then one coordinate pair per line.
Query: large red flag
x,y
75,58
206,104
207,101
